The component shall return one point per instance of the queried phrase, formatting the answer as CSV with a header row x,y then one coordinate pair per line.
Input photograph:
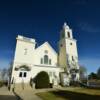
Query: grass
x,y
71,94
49,96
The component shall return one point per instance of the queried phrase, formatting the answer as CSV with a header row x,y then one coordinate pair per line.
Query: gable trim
x,y
48,45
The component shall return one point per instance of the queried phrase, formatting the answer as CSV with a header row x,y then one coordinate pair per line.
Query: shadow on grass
x,y
75,96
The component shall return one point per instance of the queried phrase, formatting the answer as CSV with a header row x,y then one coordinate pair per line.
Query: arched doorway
x,y
42,80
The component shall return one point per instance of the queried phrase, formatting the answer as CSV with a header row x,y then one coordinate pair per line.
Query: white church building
x,y
62,67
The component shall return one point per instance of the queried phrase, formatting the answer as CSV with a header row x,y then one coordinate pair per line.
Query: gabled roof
x,y
46,43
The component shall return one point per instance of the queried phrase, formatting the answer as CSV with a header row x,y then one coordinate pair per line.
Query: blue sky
x,y
43,20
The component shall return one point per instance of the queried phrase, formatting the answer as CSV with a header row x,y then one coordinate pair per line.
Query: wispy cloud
x,y
87,27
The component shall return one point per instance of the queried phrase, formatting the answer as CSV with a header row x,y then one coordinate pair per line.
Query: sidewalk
x,y
5,94
4,91
27,94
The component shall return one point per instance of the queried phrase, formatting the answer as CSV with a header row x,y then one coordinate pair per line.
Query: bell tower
x,y
68,56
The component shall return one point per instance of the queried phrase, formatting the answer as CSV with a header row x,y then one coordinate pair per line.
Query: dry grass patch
x,y
71,94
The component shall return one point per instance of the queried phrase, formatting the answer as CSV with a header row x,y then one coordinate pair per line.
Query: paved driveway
x,y
5,94
7,97
27,94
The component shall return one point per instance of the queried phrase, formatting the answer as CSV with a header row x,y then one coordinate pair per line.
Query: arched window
x,y
41,60
45,59
72,58
68,34
20,74
49,61
25,74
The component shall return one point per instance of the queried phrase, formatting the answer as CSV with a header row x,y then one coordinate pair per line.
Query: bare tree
x,y
4,74
83,72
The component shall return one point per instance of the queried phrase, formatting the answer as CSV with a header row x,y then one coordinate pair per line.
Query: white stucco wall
x,y
68,55
21,54
50,70
62,53
27,54
71,48
32,59
40,52
53,73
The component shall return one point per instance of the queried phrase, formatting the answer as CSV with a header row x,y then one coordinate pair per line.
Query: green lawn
x,y
71,94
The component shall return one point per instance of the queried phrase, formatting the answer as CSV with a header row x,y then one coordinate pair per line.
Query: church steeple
x,y
68,56
65,26
66,32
